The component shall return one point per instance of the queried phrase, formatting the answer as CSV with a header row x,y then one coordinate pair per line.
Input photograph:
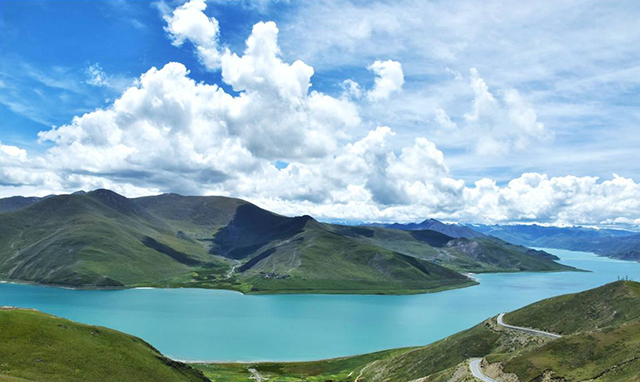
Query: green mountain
x,y
484,254
600,343
37,347
94,239
617,244
104,239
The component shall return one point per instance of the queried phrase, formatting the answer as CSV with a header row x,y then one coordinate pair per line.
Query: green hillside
x,y
604,346
478,255
328,262
600,319
201,216
608,305
102,239
37,347
94,239
611,354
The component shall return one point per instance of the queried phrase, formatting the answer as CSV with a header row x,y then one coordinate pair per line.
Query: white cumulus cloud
x,y
189,23
389,79
169,133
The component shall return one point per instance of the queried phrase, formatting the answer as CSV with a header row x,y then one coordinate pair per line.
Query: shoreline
x,y
444,288
474,279
241,362
471,275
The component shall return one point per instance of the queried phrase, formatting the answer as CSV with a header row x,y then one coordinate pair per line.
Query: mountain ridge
x,y
103,239
453,230
617,244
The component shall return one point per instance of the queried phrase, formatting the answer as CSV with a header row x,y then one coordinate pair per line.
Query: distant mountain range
x,y
617,244
103,239
453,230
17,202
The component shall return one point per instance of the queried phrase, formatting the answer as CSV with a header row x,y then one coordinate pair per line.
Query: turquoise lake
x,y
213,325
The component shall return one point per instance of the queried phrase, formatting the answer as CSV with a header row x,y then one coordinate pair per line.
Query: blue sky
x,y
500,89
49,45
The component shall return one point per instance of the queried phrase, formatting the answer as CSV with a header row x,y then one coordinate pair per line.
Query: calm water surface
x,y
197,324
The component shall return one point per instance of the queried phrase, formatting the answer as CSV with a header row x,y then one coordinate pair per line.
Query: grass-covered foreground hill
x,y
102,239
37,347
600,342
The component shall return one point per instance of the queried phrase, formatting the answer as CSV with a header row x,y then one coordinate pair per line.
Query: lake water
x,y
213,325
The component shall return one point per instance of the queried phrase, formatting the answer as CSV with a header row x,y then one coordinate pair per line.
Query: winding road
x,y
474,363
255,375
233,269
476,371
534,332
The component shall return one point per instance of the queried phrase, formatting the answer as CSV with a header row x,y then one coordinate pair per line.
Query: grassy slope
x,y
97,239
317,260
608,354
197,216
466,255
40,347
584,356
278,254
443,354
337,369
610,304
580,313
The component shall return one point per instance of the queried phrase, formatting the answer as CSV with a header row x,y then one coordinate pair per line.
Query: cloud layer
x,y
169,133
577,71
